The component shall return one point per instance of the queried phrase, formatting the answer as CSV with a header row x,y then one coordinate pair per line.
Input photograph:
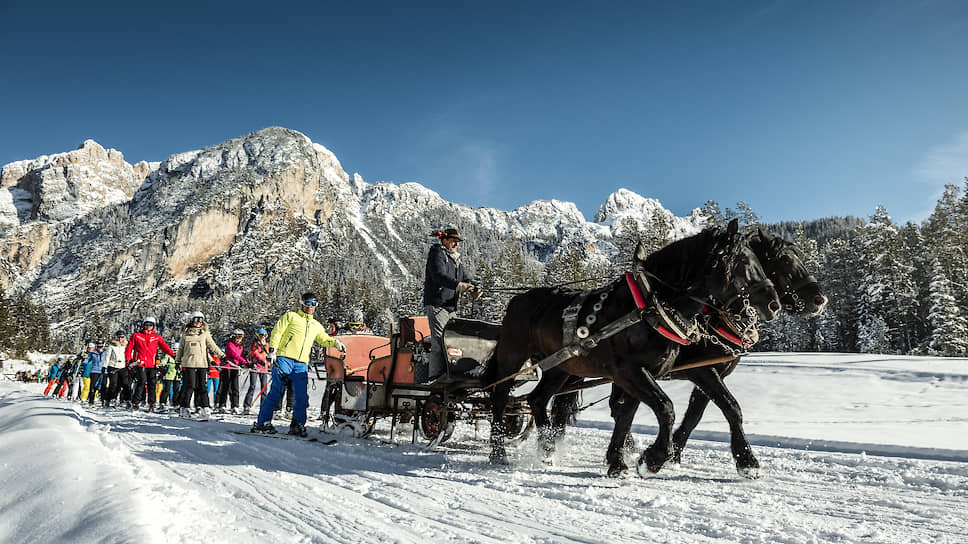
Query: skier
x,y
168,373
356,325
66,378
195,346
234,360
445,279
84,371
53,375
140,354
117,376
259,373
290,345
97,364
211,387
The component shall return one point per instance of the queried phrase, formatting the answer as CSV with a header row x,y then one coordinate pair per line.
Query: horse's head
x,y
716,266
799,291
737,279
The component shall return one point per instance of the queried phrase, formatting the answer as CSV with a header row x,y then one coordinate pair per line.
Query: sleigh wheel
x,y
435,422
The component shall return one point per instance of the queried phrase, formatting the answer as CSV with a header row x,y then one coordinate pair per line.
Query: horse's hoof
x,y
643,471
653,461
750,473
617,471
499,459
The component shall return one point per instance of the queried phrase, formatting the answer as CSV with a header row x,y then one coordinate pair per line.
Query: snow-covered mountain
x,y
85,232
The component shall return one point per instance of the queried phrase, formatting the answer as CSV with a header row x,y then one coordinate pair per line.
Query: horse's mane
x,y
683,262
776,245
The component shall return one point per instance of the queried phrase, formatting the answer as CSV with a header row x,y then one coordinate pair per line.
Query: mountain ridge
x,y
225,222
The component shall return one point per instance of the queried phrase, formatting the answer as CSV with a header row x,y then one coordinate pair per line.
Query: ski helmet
x,y
198,315
308,297
149,319
119,334
238,332
262,331
91,345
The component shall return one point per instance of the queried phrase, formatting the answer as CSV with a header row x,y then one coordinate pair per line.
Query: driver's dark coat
x,y
441,278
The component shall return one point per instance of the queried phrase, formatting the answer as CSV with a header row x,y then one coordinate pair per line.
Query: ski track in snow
x,y
116,475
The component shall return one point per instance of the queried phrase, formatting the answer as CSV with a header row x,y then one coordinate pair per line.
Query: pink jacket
x,y
234,355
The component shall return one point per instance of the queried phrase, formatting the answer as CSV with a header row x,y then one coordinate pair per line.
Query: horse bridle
x,y
791,288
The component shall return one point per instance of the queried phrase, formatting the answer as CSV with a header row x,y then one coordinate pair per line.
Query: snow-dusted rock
x,y
64,186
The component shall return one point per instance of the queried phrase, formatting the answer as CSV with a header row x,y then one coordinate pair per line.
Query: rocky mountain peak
x,y
66,185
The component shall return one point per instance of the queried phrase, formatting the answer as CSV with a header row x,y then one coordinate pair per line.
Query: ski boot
x,y
204,414
185,413
298,429
265,428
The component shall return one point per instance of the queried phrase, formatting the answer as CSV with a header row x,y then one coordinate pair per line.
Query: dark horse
x,y
799,293
703,270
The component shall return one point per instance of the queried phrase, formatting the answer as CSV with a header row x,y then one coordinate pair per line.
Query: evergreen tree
x,y
949,329
714,216
887,290
744,212
840,277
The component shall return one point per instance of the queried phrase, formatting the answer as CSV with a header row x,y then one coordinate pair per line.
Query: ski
x,y
288,437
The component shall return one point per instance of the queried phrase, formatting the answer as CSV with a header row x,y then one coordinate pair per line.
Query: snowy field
x,y
853,448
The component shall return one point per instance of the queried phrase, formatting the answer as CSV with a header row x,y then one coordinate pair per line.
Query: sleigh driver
x,y
444,281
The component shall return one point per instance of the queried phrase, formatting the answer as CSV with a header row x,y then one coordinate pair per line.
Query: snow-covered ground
x,y
854,448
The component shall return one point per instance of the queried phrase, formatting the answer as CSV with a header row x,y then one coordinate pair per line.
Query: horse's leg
x,y
499,402
550,384
642,386
713,386
623,408
564,408
697,406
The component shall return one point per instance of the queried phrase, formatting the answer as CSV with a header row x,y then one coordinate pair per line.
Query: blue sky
x,y
801,109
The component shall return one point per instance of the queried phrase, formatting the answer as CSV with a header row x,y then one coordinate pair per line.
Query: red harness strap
x,y
730,336
641,304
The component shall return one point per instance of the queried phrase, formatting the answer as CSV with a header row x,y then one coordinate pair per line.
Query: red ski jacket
x,y
143,346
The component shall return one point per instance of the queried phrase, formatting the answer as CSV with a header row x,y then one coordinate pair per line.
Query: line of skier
x,y
143,372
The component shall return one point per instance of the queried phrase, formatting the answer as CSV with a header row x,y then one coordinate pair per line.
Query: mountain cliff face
x,y
239,227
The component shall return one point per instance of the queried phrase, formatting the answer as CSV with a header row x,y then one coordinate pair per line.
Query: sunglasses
x,y
149,324
311,303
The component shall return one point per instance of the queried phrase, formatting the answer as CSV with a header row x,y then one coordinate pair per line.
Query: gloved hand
x,y
340,346
477,291
464,287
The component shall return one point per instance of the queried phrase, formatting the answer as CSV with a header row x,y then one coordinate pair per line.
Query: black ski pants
x,y
144,385
167,390
194,383
228,388
109,385
95,385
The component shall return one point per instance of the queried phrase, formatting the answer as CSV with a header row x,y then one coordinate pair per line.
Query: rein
x,y
529,288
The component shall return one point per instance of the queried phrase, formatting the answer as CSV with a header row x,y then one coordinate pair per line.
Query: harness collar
x,y
666,328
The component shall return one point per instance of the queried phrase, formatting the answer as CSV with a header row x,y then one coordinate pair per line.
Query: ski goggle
x,y
311,303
